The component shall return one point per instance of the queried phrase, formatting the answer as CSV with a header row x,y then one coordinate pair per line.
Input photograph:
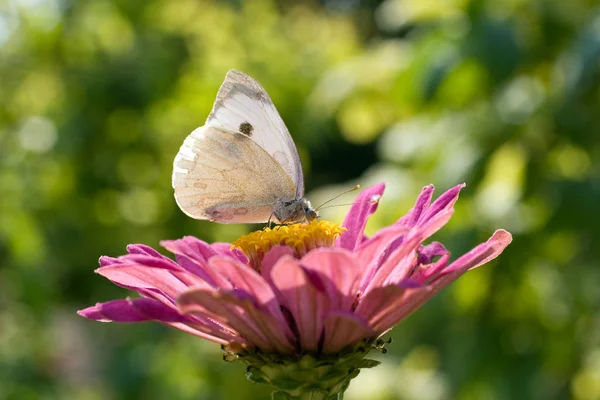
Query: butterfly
x,y
242,165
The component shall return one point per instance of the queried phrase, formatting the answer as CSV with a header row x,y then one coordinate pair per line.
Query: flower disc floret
x,y
301,238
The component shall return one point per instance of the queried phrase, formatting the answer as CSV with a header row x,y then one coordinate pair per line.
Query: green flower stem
x,y
311,395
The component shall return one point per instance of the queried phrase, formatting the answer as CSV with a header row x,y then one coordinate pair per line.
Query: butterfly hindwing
x,y
226,177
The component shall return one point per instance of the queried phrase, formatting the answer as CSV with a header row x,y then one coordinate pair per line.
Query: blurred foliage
x,y
97,96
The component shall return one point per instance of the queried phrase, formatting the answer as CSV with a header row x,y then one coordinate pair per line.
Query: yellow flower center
x,y
301,238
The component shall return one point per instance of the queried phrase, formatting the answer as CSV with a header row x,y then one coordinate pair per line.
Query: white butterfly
x,y
242,166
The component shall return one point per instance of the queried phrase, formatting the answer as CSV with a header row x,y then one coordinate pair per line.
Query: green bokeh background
x,y
97,96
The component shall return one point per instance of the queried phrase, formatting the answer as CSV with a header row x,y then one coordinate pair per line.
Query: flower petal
x,y
307,305
105,261
271,258
143,250
258,327
142,310
363,207
424,272
339,274
409,220
249,281
419,208
115,310
160,262
190,258
481,254
199,250
376,306
399,263
430,251
224,249
342,330
444,202
136,277
410,301
374,252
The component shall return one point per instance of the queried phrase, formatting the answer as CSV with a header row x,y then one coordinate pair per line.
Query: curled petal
x,y
415,298
105,261
143,250
363,207
421,205
426,254
444,202
481,254
399,264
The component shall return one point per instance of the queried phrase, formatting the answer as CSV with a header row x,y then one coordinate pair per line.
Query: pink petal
x,y
156,311
339,274
199,250
481,254
378,304
410,301
271,258
307,305
258,327
425,271
105,261
421,205
189,258
150,261
430,251
142,310
116,310
400,263
377,249
248,280
224,249
374,252
420,214
144,277
411,218
363,207
143,250
444,202
342,330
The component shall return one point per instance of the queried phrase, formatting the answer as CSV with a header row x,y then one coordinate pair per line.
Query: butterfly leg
x,y
269,222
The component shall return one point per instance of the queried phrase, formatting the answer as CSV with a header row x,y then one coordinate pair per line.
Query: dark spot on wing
x,y
246,128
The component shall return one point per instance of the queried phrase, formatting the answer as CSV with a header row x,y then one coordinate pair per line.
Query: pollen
x,y
301,238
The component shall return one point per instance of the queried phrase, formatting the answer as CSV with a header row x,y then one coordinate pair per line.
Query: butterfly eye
x,y
310,214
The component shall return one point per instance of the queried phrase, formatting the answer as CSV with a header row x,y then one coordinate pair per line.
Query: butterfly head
x,y
293,211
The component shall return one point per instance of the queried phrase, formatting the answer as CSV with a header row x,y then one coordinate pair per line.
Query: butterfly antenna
x,y
374,201
339,195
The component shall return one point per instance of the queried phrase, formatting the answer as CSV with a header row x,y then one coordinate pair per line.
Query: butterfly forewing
x,y
244,106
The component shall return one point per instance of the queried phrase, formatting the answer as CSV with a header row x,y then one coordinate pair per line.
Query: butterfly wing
x,y
226,177
244,106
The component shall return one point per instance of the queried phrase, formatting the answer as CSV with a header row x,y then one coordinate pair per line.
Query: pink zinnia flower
x,y
315,294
